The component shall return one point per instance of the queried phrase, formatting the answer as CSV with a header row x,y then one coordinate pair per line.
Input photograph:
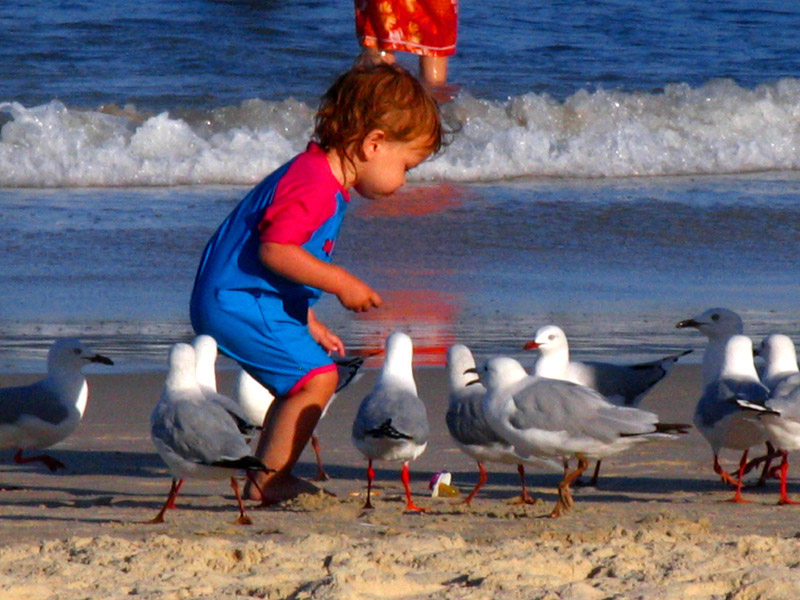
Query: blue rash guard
x,y
259,318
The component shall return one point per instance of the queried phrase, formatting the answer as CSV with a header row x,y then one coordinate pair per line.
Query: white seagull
x,y
780,417
195,436
549,418
623,385
718,325
255,400
46,412
718,415
206,351
780,372
469,429
392,423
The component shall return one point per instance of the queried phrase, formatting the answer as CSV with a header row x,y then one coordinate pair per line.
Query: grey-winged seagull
x,y
780,414
718,416
549,418
780,417
206,351
45,412
469,429
718,325
392,423
620,384
195,436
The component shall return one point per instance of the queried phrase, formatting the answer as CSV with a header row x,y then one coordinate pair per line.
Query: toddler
x,y
269,261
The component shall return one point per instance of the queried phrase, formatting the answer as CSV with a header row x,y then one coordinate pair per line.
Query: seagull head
x,y
70,354
502,371
715,323
547,339
461,367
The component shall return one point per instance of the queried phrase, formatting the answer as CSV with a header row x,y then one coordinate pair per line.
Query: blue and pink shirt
x,y
300,203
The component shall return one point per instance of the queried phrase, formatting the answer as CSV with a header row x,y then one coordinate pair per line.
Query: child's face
x,y
386,162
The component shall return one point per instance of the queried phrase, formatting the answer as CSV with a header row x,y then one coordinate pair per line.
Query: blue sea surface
x,y
616,167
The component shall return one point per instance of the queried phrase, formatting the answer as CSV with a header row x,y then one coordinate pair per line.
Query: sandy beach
x,y
657,526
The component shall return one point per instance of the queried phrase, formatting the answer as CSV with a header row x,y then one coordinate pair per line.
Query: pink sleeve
x,y
303,201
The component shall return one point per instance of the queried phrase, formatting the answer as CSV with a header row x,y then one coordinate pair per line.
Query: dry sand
x,y
658,526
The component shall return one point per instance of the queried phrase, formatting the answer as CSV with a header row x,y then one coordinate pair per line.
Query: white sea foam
x,y
716,128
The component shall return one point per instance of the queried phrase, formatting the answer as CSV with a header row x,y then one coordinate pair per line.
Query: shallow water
x,y
615,262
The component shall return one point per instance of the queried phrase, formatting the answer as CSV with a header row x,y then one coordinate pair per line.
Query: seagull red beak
x,y
532,345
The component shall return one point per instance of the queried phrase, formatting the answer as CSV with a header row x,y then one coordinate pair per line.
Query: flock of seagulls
x,y
546,416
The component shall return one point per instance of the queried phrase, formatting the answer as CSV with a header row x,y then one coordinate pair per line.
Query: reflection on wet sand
x,y
428,316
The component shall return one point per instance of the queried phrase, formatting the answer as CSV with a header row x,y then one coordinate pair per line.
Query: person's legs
x,y
433,69
287,428
373,56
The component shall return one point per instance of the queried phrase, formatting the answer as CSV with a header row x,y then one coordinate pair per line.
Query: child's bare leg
x,y
433,69
287,429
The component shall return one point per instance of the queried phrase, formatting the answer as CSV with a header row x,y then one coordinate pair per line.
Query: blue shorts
x,y
267,335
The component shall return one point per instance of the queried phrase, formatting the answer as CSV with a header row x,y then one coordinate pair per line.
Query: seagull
x,y
48,411
718,325
718,415
206,351
780,369
550,418
255,400
392,423
469,429
623,385
195,436
780,416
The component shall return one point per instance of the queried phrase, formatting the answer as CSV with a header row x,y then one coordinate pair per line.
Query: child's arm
x,y
324,336
295,263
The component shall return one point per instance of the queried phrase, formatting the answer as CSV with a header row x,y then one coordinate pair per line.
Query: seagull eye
x,y
551,337
76,351
715,317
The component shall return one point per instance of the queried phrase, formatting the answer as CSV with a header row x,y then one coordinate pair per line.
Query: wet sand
x,y
657,526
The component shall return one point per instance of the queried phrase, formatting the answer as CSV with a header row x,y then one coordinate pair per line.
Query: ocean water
x,y
616,167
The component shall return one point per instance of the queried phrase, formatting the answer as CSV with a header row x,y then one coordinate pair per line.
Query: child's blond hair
x,y
369,97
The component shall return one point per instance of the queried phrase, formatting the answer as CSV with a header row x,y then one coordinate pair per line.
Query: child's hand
x,y
357,296
324,336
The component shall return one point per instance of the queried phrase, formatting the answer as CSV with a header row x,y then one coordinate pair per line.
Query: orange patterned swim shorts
x,y
424,27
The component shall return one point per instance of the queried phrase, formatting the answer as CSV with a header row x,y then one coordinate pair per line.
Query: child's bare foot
x,y
277,488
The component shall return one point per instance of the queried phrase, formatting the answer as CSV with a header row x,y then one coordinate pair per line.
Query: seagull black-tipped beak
x,y
687,323
99,358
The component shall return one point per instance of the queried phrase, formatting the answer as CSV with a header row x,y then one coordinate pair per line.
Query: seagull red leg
x,y
243,518
526,498
370,477
565,501
405,475
784,469
171,503
737,497
595,475
321,474
173,492
482,477
51,463
724,475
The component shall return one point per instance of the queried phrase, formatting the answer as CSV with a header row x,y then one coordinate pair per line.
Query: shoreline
x,y
659,517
